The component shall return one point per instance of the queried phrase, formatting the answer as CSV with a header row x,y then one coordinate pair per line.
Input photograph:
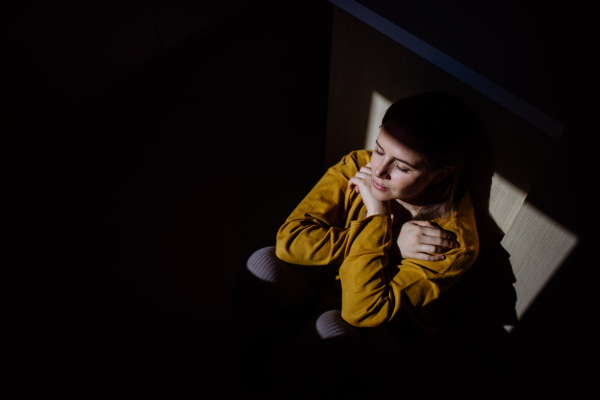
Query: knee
x,y
293,284
264,264
331,325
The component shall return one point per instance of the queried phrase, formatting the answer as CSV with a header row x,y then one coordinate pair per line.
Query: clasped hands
x,y
420,240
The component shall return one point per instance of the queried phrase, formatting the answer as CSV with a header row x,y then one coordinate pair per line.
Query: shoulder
x,y
352,162
464,226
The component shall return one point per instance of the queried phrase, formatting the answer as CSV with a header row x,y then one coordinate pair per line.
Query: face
x,y
399,167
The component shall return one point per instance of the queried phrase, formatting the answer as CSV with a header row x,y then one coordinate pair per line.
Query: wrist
x,y
378,212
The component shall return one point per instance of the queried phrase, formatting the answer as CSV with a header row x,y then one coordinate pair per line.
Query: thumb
x,y
424,223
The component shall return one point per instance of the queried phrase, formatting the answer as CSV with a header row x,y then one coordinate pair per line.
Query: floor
x,y
186,169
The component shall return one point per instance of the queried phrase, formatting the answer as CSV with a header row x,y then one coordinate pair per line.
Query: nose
x,y
381,170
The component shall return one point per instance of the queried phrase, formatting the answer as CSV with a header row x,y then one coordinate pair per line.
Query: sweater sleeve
x,y
316,232
375,291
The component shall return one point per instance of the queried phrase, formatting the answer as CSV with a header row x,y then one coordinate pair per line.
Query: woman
x,y
375,244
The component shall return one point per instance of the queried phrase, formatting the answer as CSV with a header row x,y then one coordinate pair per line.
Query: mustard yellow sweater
x,y
376,289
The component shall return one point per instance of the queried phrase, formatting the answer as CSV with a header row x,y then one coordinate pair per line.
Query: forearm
x,y
312,242
365,290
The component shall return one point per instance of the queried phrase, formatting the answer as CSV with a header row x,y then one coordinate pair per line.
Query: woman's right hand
x,y
362,183
418,238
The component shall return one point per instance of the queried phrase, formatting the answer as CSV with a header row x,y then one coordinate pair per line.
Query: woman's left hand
x,y
421,240
362,183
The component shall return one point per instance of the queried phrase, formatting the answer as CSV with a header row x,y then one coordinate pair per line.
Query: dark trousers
x,y
304,352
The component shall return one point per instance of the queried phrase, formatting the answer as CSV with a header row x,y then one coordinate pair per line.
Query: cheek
x,y
375,160
408,184
401,180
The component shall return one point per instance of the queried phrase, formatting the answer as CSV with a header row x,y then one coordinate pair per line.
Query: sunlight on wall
x,y
536,243
538,246
506,199
379,105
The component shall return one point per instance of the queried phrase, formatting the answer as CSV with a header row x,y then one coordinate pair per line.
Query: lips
x,y
379,187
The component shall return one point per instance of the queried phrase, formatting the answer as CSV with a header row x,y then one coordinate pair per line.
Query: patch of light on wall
x,y
379,105
506,199
538,246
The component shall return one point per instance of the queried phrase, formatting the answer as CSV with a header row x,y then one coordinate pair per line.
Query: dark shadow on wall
x,y
139,207
476,309
558,332
191,161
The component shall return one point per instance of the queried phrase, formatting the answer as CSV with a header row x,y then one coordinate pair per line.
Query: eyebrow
x,y
399,159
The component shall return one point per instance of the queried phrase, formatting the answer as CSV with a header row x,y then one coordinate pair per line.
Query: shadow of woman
x,y
476,309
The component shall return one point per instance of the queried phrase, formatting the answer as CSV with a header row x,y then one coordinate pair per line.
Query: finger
x,y
438,241
424,223
428,257
438,232
361,174
435,230
355,182
446,241
362,180
366,170
427,248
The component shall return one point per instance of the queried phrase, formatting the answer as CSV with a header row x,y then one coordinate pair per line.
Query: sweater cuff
x,y
375,232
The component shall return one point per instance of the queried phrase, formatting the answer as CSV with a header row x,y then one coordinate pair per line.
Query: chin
x,y
381,196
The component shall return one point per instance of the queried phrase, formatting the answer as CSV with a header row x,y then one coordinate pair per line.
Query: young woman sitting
x,y
363,260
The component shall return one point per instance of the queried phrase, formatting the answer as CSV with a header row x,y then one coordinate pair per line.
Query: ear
x,y
441,174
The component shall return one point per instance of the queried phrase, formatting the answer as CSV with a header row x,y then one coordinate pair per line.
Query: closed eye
x,y
403,170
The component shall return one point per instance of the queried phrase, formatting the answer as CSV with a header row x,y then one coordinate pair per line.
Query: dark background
x,y
544,52
143,143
